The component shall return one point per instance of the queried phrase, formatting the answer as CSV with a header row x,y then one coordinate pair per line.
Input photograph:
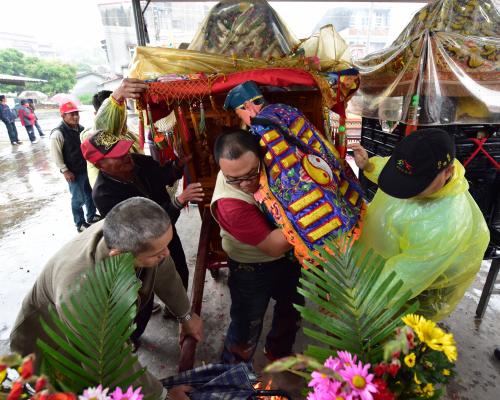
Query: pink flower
x,y
359,380
130,394
324,387
347,358
333,363
95,393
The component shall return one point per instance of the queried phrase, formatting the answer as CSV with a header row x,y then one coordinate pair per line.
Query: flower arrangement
x,y
17,381
419,362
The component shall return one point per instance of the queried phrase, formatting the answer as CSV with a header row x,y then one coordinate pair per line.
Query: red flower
x,y
15,392
410,337
27,368
40,384
380,369
383,392
380,384
61,396
385,395
393,369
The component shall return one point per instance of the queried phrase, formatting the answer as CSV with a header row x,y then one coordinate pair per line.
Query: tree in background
x,y
60,77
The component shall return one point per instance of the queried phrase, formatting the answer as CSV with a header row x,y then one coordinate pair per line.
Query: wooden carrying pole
x,y
188,349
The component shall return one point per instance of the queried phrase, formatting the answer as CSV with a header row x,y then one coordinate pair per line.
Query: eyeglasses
x,y
249,177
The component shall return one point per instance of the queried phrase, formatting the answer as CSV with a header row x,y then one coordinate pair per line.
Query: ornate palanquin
x,y
182,110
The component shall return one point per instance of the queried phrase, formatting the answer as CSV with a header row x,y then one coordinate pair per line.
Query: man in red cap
x,y
67,155
123,175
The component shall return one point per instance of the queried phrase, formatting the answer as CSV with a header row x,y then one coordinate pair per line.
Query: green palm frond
x,y
90,335
358,308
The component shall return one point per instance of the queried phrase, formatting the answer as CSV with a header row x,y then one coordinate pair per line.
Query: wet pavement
x,y
35,221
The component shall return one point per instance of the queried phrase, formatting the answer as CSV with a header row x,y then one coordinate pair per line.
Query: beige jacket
x,y
236,250
57,281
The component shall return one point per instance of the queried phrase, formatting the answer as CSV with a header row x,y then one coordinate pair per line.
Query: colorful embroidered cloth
x,y
310,193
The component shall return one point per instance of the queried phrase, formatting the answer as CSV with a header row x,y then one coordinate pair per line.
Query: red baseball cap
x,y
103,145
68,107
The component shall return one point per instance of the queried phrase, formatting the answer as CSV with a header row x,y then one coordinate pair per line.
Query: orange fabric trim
x,y
301,251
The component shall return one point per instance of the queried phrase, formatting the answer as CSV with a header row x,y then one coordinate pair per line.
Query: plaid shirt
x,y
218,381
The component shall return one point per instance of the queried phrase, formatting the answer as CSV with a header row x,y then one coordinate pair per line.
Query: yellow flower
x,y
412,320
428,390
446,372
432,335
416,379
410,360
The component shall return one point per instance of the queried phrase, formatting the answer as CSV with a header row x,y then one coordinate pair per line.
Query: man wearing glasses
x,y
258,267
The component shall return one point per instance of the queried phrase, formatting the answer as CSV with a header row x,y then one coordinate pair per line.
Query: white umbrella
x,y
61,98
33,94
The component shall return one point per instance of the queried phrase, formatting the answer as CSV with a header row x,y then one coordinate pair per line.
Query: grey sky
x,y
77,22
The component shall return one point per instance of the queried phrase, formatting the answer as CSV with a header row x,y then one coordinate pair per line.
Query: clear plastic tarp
x,y
444,68
327,44
244,29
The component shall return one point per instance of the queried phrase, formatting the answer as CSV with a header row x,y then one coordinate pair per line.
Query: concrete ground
x,y
35,220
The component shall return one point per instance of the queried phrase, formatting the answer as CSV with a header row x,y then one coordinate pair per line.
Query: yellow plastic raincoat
x,y
112,118
435,244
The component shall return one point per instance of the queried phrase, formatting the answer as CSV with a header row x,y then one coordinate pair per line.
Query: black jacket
x,y
6,114
151,179
71,151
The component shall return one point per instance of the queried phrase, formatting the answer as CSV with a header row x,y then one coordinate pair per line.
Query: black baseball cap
x,y
416,161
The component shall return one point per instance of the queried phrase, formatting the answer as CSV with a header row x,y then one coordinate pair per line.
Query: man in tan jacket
x,y
259,269
136,225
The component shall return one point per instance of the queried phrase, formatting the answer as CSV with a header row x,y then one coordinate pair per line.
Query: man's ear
x,y
450,170
114,252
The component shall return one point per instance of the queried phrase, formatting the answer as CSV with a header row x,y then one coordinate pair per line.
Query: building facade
x,y
27,44
169,24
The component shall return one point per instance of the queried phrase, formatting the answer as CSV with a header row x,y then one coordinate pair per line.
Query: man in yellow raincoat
x,y
423,220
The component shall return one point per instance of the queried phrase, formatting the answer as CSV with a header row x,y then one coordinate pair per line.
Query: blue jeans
x,y
31,132
251,287
39,128
12,131
81,194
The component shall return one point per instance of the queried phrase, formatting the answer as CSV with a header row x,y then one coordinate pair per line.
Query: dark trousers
x,y
251,287
39,129
81,194
31,132
141,320
12,131
177,254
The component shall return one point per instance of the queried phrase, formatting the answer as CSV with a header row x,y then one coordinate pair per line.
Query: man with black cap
x,y
423,220
67,155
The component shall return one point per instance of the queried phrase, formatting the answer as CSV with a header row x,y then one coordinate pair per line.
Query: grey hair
x,y
132,224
